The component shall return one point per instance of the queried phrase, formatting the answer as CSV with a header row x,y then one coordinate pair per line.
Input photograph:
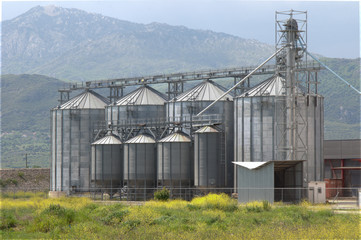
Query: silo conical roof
x,y
108,139
207,129
206,91
176,137
273,86
142,138
86,100
143,96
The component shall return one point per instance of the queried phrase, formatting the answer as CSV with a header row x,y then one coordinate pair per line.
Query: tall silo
x,y
140,167
260,126
72,126
208,168
187,105
175,164
107,164
140,106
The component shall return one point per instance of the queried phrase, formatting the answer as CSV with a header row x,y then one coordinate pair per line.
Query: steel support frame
x,y
290,144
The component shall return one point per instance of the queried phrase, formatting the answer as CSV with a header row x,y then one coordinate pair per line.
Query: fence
x,y
291,195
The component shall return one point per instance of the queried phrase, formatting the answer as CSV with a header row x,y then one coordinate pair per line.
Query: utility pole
x,y
26,160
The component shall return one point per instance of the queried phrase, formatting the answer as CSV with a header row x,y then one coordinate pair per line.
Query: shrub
x,y
21,175
215,201
162,195
266,205
8,219
54,216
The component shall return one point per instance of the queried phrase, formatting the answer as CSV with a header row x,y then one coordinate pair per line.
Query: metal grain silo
x,y
260,127
175,164
186,106
107,163
208,168
140,167
72,126
142,105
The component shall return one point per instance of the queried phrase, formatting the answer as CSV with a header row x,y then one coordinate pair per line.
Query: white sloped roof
x,y
251,165
176,137
206,91
142,96
108,139
207,129
274,86
141,139
86,100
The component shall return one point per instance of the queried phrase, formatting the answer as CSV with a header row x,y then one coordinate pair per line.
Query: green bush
x,y
266,205
54,216
162,195
21,175
8,219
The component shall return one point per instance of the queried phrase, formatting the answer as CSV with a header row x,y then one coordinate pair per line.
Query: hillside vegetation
x,y
210,217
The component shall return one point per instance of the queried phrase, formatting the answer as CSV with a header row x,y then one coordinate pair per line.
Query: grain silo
x,y
187,105
72,126
107,164
208,168
175,164
140,167
142,105
261,124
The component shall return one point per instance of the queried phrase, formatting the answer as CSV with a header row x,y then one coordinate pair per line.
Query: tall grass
x,y
215,216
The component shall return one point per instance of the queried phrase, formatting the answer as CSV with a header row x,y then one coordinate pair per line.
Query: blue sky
x,y
333,26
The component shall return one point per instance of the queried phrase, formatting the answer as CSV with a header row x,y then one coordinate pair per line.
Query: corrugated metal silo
x,y
175,163
208,169
260,125
107,163
185,106
140,167
72,126
142,105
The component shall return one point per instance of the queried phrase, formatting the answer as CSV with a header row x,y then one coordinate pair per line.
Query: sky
x,y
333,26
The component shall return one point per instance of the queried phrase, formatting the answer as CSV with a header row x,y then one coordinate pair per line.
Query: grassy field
x,y
209,217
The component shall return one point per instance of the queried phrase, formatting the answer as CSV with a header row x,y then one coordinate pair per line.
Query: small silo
x,y
140,106
72,128
187,105
175,164
107,164
208,169
260,127
140,167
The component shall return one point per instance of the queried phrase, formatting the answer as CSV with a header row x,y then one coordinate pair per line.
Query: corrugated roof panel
x,y
176,137
86,100
109,139
141,139
143,96
206,91
274,86
207,129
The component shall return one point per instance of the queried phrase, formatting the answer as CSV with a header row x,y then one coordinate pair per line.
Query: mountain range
x,y
48,46
71,44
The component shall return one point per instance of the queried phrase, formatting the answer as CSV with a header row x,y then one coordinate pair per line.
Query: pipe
x,y
224,94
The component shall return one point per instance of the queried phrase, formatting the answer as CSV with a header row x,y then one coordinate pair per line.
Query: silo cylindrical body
x,y
143,105
140,167
208,168
72,129
175,164
107,164
261,124
186,106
